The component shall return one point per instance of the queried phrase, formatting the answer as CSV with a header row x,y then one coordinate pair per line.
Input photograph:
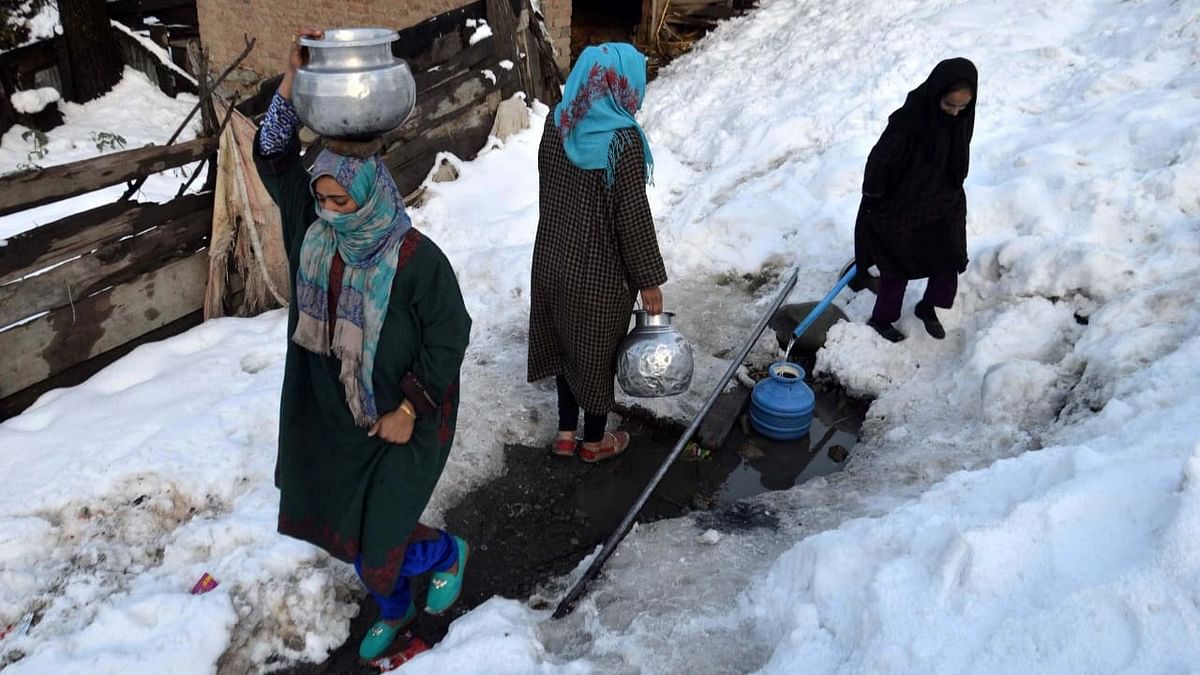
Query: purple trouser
x,y
939,292
428,549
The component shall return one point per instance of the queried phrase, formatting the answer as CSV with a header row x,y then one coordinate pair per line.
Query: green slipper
x,y
444,587
381,635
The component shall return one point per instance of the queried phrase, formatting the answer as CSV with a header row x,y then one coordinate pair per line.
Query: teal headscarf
x,y
368,241
603,93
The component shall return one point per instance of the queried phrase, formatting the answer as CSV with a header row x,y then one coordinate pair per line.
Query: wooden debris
x,y
673,26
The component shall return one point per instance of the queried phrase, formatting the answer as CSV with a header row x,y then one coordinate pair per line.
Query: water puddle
x,y
534,524
775,465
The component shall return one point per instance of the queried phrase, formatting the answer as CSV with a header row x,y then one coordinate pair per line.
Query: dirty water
x,y
774,465
534,524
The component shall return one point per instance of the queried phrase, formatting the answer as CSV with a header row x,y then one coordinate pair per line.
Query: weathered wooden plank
x,y
527,36
119,9
113,263
548,77
527,62
720,419
651,15
456,94
468,58
447,134
699,4
257,104
35,187
462,135
19,66
94,325
504,34
82,233
14,404
423,45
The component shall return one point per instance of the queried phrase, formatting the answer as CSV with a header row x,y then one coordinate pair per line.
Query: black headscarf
x,y
922,117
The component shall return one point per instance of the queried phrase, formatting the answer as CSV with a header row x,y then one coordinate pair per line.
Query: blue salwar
x,y
436,554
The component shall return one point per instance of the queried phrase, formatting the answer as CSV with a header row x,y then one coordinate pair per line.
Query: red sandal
x,y
620,441
564,448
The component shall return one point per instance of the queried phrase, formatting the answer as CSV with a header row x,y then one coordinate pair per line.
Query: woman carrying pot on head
x,y
377,330
912,223
596,248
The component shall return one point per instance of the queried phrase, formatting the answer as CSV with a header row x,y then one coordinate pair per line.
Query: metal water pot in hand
x,y
655,360
352,87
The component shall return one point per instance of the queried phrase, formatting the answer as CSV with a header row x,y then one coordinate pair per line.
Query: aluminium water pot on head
x,y
352,86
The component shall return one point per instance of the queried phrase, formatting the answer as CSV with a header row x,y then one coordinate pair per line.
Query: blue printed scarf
x,y
368,241
603,93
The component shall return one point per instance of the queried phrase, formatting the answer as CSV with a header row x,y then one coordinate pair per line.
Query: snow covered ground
x,y
135,110
42,24
1027,494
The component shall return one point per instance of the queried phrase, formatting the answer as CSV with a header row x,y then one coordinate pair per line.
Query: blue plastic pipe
x,y
825,302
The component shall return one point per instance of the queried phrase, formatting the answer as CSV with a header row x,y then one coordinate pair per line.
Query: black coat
x,y
912,222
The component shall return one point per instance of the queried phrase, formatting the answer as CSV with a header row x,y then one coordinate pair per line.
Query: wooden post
x,y
198,60
65,77
547,76
90,49
527,35
7,114
504,32
652,11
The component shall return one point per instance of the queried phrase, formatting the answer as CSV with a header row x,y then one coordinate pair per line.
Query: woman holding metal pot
x,y
377,331
596,248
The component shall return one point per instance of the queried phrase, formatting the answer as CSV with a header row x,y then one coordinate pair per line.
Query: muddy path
x,y
536,522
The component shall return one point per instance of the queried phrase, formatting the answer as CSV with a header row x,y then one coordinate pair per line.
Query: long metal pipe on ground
x,y
568,602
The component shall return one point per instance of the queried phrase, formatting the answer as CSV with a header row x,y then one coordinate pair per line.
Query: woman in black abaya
x,y
912,223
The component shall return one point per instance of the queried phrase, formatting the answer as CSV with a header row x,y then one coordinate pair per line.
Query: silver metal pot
x,y
655,360
352,86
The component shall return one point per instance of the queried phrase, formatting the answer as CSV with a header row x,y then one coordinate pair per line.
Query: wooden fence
x,y
42,63
80,292
459,85
457,99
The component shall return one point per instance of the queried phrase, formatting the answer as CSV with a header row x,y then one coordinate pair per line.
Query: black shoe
x,y
928,316
886,330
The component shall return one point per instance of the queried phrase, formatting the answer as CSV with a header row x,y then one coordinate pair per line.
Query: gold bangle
x,y
407,409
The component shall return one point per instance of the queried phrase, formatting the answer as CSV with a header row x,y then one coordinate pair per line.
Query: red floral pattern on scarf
x,y
601,82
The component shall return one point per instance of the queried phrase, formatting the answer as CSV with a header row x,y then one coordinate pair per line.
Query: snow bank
x,y
44,24
135,110
482,30
133,485
33,101
1025,496
159,52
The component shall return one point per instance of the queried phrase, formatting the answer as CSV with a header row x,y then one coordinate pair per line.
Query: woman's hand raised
x,y
297,57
